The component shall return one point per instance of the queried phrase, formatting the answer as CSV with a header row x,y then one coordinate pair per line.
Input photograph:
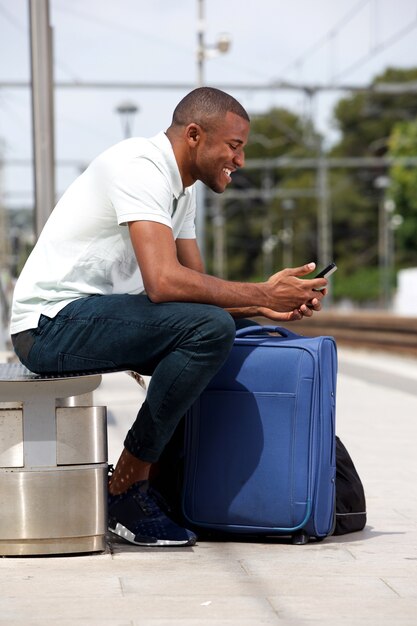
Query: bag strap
x,y
251,331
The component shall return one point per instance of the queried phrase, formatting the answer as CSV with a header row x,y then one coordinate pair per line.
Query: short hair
x,y
206,104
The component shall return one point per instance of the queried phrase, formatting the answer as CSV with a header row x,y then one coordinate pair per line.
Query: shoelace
x,y
160,500
153,501
148,502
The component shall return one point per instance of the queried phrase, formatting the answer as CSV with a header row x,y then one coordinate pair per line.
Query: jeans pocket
x,y
79,364
22,344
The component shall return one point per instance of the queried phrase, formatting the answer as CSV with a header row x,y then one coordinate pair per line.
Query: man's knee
x,y
219,328
226,324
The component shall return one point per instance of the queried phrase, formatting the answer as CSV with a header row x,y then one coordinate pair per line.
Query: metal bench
x,y
53,464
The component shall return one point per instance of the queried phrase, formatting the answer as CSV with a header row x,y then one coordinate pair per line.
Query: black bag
x,y
350,495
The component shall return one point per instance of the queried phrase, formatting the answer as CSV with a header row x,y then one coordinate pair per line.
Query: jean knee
x,y
221,329
228,326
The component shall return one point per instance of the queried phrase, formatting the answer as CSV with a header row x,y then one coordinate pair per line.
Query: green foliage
x,y
280,132
355,230
361,286
365,120
403,189
370,124
254,222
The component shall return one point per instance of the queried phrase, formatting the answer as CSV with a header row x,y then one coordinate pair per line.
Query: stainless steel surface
x,y
42,92
53,464
81,435
85,399
64,545
10,405
50,506
11,438
39,400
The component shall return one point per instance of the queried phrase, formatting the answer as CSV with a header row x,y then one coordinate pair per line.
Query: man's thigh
x,y
117,332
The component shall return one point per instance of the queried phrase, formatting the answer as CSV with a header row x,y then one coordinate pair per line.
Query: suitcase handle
x,y
265,330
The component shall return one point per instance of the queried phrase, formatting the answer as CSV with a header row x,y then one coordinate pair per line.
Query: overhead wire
x,y
331,33
342,23
107,23
8,101
377,49
21,29
10,18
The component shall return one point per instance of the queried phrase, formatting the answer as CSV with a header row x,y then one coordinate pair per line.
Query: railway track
x,y
371,330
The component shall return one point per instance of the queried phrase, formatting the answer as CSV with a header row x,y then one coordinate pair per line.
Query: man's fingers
x,y
318,285
294,316
303,270
306,311
315,304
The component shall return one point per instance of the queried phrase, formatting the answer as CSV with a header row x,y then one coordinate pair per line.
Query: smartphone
x,y
325,273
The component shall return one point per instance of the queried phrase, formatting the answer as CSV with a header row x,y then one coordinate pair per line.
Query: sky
x,y
304,42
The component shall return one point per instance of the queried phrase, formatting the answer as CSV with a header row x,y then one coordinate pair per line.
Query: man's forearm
x,y
244,311
187,285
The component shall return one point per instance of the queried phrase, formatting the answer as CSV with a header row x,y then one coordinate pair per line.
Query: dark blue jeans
x,y
181,345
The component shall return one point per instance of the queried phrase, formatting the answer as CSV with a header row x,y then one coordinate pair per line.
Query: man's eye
x,y
233,147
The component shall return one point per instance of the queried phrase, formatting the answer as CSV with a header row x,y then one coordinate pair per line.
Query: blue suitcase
x,y
260,440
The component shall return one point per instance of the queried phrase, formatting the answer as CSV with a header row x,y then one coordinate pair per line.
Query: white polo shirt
x,y
85,248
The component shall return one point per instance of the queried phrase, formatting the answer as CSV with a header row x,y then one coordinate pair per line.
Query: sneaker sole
x,y
127,535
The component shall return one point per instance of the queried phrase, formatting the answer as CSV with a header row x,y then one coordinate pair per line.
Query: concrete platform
x,y
367,578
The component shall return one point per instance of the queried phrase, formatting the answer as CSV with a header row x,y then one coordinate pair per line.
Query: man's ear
x,y
193,134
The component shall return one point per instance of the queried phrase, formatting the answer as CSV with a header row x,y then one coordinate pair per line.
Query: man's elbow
x,y
158,290
156,297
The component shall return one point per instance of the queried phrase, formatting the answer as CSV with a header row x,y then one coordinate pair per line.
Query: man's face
x,y
220,152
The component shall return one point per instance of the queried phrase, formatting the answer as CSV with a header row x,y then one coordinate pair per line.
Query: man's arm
x,y
189,255
166,279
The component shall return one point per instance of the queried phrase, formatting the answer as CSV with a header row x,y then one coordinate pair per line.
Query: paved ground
x,y
364,578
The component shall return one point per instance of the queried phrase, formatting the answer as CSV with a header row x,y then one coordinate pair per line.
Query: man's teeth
x,y
227,171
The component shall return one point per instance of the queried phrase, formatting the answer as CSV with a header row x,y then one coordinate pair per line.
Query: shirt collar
x,y
162,142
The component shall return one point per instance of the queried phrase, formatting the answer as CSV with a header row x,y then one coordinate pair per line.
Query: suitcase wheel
x,y
300,538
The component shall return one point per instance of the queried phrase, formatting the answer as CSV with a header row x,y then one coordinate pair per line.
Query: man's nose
x,y
239,159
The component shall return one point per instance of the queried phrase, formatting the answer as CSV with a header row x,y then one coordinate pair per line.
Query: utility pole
x,y
270,239
385,242
4,240
324,251
201,190
42,111
287,233
204,52
219,243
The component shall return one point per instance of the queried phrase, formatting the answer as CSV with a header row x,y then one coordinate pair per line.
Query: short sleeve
x,y
141,192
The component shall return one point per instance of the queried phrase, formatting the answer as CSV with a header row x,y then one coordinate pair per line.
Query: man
x,y
116,281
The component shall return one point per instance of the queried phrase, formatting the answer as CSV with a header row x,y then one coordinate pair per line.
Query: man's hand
x,y
305,310
288,292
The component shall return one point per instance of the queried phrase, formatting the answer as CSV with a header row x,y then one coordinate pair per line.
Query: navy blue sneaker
x,y
137,517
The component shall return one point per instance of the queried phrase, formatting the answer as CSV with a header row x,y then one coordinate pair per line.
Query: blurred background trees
x,y
268,219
